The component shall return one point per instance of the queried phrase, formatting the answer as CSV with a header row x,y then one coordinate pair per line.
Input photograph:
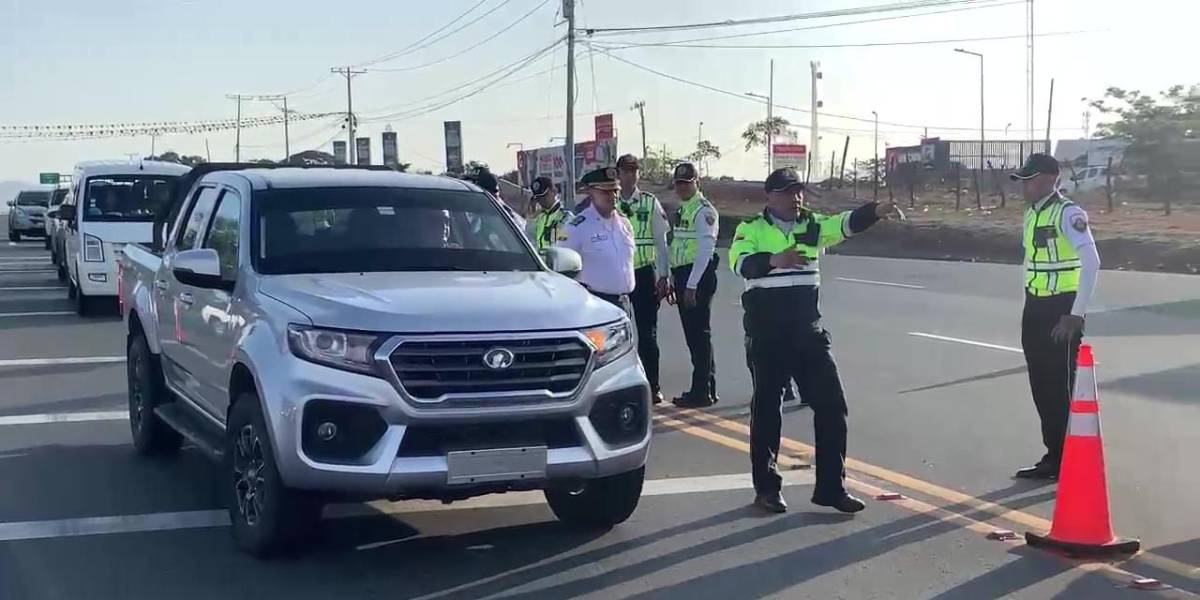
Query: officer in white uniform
x,y
603,237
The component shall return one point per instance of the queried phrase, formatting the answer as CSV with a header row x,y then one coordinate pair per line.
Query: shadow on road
x,y
1176,385
982,377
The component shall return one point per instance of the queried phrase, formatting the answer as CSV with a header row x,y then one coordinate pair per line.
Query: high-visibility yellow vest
x,y
640,212
812,233
547,225
683,241
1051,264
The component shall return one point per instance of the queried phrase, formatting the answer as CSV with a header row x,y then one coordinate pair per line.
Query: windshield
x,y
59,196
33,198
339,230
125,198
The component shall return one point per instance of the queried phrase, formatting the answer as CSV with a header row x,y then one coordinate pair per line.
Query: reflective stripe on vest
x,y
640,212
785,279
1051,264
683,242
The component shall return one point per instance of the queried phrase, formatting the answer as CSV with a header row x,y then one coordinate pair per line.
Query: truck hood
x,y
440,302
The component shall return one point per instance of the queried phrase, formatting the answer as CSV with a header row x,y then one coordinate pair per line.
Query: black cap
x,y
627,161
604,178
1038,163
541,186
685,172
780,180
484,179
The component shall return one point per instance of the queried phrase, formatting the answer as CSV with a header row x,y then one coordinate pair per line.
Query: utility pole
x,y
875,167
349,74
568,10
1049,112
640,106
815,151
287,145
153,139
979,171
1029,79
771,119
269,98
699,139
237,146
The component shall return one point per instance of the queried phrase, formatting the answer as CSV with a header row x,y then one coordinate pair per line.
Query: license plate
x,y
502,464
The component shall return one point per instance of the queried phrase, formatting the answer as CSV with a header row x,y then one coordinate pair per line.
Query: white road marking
x,y
196,519
967,342
72,360
887,283
2,271
52,313
33,288
71,417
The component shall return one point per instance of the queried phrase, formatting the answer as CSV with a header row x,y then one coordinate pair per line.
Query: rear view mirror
x,y
66,212
52,214
12,202
199,268
562,260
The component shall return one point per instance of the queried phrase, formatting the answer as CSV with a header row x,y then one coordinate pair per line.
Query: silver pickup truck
x,y
340,334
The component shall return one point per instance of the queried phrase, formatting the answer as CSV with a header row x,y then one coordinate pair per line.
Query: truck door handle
x,y
186,298
160,285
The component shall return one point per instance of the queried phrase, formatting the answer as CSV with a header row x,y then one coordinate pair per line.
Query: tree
x,y
1154,128
705,150
657,164
174,157
473,166
311,158
755,134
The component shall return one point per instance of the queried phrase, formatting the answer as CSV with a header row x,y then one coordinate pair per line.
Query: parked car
x,y
26,213
112,204
332,333
1088,178
51,222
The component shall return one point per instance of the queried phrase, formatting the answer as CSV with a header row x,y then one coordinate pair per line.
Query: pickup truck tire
x,y
14,236
62,270
601,502
267,516
147,390
83,304
46,242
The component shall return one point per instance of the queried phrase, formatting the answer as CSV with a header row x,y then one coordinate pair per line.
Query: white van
x,y
111,203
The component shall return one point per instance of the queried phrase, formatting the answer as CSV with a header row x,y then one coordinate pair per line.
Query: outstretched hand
x,y
1067,328
890,211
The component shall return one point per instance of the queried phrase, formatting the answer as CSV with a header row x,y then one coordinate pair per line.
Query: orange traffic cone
x,y
1082,526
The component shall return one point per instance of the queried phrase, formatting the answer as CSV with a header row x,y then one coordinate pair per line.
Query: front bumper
x,y
98,278
384,471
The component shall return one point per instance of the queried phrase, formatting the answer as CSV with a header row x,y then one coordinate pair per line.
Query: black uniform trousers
x,y
697,327
645,315
1051,367
778,355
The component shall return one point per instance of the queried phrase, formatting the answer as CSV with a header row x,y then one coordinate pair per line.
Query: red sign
x,y
604,126
790,155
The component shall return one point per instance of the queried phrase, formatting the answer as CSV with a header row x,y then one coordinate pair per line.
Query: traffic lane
x,y
989,411
57,388
702,545
25,336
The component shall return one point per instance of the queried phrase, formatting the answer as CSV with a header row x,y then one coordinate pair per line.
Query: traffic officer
x,y
604,240
693,263
650,271
1061,268
777,253
551,213
490,184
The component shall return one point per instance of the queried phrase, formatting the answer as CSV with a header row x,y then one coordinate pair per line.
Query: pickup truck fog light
x,y
621,417
98,277
327,431
339,432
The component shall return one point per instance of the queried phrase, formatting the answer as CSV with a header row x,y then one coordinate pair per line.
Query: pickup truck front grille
x,y
430,370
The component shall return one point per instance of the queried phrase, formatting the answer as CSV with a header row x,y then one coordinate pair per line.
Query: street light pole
x,y
875,167
568,8
978,194
771,120
768,128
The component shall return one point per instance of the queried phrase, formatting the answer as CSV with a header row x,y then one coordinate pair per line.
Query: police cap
x,y
627,161
685,172
781,180
1038,163
541,186
604,178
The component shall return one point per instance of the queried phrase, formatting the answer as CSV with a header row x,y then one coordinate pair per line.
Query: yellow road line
x,y
931,489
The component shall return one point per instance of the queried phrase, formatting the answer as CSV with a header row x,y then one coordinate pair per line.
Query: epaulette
x,y
577,220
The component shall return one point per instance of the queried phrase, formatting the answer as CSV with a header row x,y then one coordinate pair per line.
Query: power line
x,y
823,25
468,48
109,130
862,10
608,46
419,45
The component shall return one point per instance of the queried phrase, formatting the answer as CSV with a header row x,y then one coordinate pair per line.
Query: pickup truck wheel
x,y
62,271
602,502
267,516
146,390
14,236
46,242
83,304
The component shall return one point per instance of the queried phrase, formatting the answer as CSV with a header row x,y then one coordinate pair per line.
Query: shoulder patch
x,y
1079,222
577,220
710,218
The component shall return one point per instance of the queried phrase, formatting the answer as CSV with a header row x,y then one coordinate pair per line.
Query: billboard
x,y
604,126
551,161
389,149
362,150
789,155
454,147
339,153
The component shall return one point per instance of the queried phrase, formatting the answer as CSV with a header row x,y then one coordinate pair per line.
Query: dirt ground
x,y
1136,235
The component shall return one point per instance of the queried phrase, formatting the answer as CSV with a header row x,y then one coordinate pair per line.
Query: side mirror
x,y
52,214
562,260
12,203
199,268
66,212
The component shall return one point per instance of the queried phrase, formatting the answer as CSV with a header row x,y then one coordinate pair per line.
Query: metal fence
x,y
1002,154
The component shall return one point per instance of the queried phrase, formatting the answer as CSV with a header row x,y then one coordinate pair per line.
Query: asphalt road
x,y
942,422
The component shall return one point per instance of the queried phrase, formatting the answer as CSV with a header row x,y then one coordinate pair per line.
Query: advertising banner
x,y
454,147
339,153
604,126
362,150
789,155
551,161
390,157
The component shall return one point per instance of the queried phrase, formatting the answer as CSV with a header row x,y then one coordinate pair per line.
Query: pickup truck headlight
x,y
610,341
333,348
93,249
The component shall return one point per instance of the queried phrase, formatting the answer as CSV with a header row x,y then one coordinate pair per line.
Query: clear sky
x,y
89,61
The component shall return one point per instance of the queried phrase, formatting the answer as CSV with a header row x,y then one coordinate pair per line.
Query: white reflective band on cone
x,y
1084,425
1085,385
